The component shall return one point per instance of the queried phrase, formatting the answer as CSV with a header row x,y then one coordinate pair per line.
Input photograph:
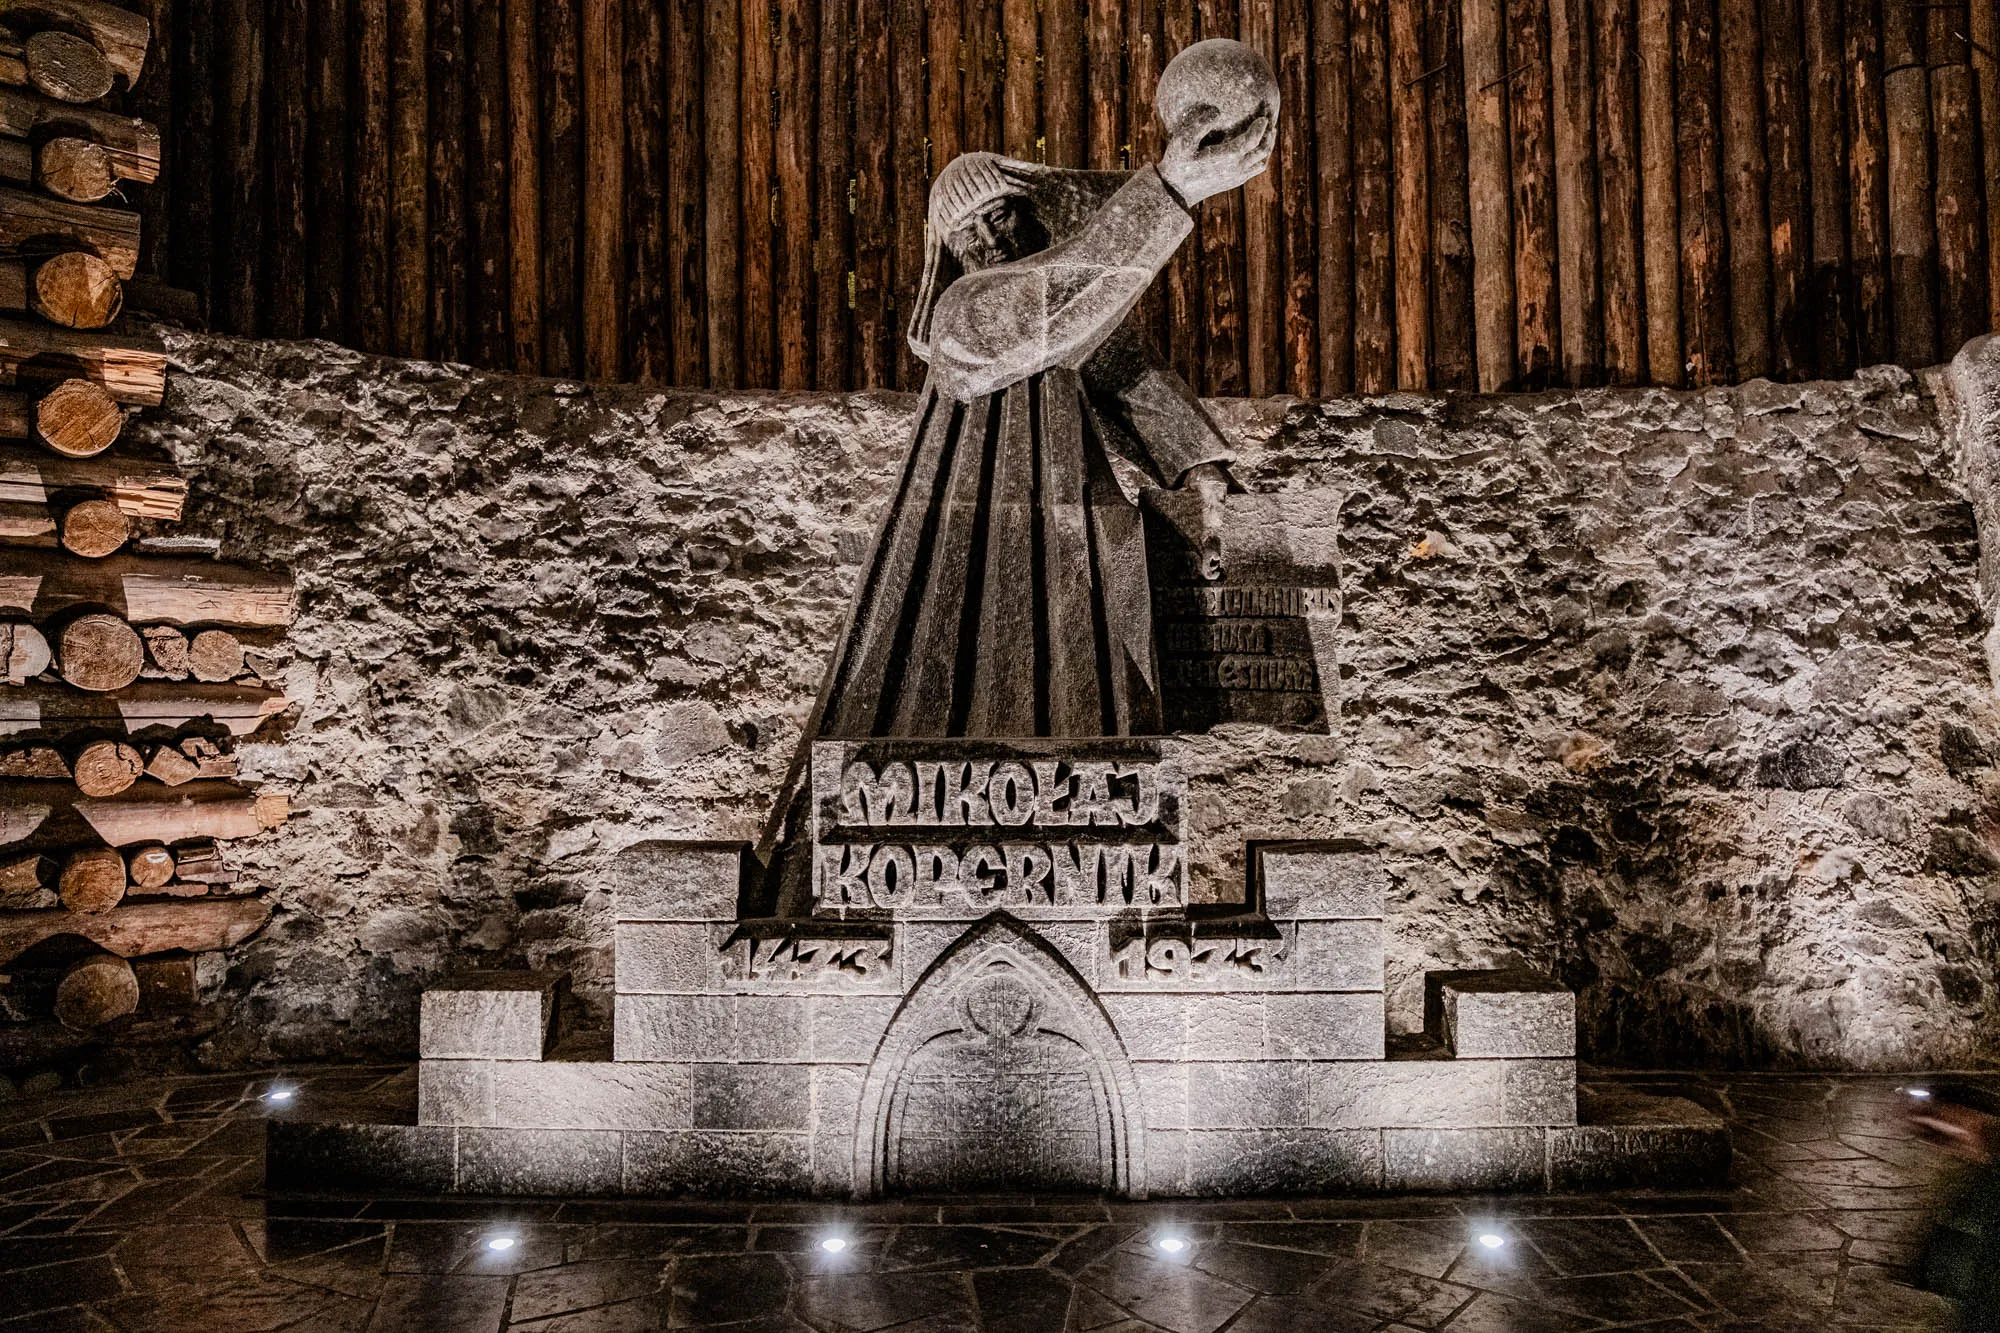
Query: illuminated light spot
x,y
1171,1244
1491,1240
833,1244
279,1095
500,1243
1921,1094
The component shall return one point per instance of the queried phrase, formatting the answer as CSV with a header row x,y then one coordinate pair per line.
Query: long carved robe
x,y
1007,595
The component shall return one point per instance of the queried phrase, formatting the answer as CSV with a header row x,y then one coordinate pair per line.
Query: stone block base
x,y
1626,1141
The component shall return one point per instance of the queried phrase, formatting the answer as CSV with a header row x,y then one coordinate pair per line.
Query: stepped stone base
x,y
1139,1054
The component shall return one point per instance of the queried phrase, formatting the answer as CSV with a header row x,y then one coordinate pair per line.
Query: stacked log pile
x,y
128,671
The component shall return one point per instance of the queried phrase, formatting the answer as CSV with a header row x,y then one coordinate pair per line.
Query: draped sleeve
x,y
1002,324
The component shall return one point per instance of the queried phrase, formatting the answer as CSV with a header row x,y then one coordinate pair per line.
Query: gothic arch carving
x,y
1000,1055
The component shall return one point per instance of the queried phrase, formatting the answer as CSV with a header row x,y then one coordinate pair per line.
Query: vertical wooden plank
x,y
1531,145
1221,219
1580,306
1264,310
284,314
327,198
909,177
1912,216
1619,191
651,293
1374,224
1065,126
524,192
1490,192
1868,186
1295,183
1705,313
1961,223
602,289
1659,192
1410,211
1745,186
1785,152
1104,35
486,184
1453,365
1186,318
1830,342
874,346
760,314
832,250
239,203
985,76
560,41
1984,32
797,81
722,193
1333,150
369,238
450,278
409,133
1020,101
191,187
152,100
686,190
944,81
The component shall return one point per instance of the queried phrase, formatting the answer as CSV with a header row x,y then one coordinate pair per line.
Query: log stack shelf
x,y
129,672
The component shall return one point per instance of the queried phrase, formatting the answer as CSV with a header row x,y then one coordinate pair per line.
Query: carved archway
x,y
1000,1070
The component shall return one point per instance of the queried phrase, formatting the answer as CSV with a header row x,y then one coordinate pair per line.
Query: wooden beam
x,y
1263,269
131,367
872,194
1454,362
722,194
524,190
284,164
370,205
1619,192
327,199
409,181
1659,192
562,187
650,101
687,183
487,192
1580,299
1374,220
196,926
833,227
445,77
148,589
1745,186
120,34
1828,302
1292,60
1790,215
142,487
1531,141
1961,222
34,225
1705,313
147,708
603,286
1491,192
796,78
760,316
1868,188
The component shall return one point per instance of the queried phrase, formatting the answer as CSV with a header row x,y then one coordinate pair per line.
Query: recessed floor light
x,y
1491,1240
1171,1244
1921,1094
834,1244
500,1243
279,1095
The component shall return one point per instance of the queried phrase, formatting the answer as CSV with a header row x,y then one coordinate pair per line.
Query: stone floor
x,y
141,1207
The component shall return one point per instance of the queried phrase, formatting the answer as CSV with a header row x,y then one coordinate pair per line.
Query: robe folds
x,y
1007,595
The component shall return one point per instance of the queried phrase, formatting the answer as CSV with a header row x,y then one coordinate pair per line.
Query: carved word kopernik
x,y
1010,874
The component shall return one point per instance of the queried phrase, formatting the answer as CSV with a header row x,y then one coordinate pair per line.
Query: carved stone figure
x,y
1008,593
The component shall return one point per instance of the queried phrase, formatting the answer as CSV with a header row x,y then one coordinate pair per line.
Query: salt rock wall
x,y
1677,695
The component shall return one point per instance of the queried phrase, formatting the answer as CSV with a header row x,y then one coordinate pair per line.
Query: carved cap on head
x,y
1221,74
968,183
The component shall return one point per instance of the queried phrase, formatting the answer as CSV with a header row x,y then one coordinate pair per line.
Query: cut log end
x,y
24,653
66,67
78,418
95,991
150,867
105,768
101,652
215,655
76,290
95,528
78,170
93,880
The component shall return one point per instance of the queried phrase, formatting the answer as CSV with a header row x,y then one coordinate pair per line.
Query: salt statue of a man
x,y
1008,595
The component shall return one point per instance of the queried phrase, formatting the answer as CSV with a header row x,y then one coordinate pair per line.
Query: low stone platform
x,y
1623,1140
1149,1052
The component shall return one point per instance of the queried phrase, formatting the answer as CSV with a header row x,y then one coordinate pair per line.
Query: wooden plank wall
x,y
1466,193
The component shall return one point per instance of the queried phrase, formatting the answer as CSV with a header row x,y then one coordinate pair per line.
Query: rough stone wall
x,y
1678,695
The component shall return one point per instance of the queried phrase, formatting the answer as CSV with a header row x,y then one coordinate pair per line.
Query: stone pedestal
x,y
1141,1049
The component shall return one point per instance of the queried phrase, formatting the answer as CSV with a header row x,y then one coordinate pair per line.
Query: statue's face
x,y
1002,231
